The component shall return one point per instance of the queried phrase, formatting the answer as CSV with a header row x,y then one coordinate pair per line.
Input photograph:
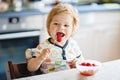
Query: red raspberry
x,y
93,65
88,64
83,64
59,36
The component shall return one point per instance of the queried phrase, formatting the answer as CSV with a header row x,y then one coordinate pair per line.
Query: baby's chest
x,y
54,57
54,62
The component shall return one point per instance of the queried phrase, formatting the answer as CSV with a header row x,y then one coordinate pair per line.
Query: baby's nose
x,y
62,27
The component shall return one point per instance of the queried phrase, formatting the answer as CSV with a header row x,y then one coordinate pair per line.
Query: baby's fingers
x,y
45,53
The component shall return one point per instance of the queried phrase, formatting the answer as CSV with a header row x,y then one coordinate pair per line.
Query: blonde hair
x,y
59,9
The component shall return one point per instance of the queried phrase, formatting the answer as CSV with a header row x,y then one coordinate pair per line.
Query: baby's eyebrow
x,y
54,21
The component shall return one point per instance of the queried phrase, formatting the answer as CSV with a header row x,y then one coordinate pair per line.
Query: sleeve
x,y
78,52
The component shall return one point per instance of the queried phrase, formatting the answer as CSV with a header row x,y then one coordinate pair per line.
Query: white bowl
x,y
88,67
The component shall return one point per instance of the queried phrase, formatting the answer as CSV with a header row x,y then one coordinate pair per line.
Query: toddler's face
x,y
61,23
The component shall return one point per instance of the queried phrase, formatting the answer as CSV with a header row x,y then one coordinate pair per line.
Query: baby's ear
x,y
39,47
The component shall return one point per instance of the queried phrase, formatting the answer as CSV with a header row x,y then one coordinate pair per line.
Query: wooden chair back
x,y
14,71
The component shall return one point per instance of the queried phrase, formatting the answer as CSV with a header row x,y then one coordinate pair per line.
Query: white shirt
x,y
58,55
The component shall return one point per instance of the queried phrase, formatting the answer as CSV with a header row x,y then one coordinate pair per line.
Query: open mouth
x,y
59,36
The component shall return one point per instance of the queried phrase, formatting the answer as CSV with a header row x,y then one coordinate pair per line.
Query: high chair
x,y
14,71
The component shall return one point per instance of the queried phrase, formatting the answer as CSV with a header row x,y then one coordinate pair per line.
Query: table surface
x,y
109,71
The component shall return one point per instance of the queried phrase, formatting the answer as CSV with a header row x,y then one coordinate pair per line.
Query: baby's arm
x,y
34,63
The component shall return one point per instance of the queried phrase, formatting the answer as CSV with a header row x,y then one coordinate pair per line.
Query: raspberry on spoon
x,y
59,36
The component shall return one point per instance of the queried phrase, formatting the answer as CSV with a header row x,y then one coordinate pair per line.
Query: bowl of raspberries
x,y
88,67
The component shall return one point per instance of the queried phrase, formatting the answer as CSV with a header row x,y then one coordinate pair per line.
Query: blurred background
x,y
23,25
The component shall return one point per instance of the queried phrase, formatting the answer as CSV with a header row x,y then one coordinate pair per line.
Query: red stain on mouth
x,y
59,36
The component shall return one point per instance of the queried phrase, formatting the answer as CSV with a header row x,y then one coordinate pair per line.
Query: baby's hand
x,y
72,63
45,53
